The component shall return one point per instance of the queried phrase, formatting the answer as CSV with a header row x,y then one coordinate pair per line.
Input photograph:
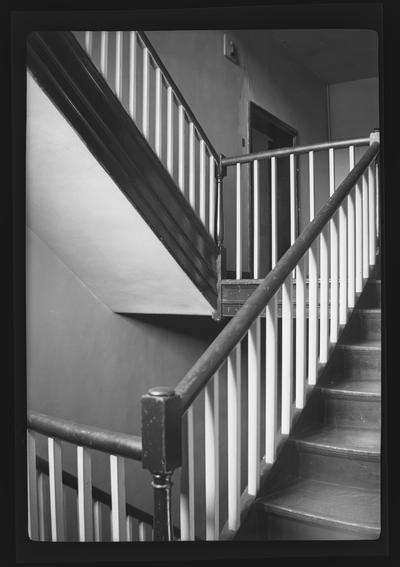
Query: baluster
x,y
371,215
287,363
97,521
334,255
42,529
104,53
170,131
56,490
181,149
365,225
238,224
324,297
202,166
312,289
33,524
300,334
118,63
129,528
192,183
132,73
118,498
145,99
89,42
292,200
256,222
274,233
351,265
85,509
211,208
234,436
358,252
377,197
211,435
187,477
254,422
142,531
158,112
343,263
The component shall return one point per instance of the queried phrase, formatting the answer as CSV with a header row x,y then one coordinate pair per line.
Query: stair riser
x,y
357,363
371,296
287,528
350,412
364,326
339,469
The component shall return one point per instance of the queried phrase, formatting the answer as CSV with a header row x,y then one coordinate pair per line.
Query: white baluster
x,y
274,232
42,529
104,53
343,263
211,208
234,436
85,508
97,521
211,448
287,354
351,265
365,225
202,167
371,216
129,528
170,130
334,255
145,98
312,288
89,42
238,224
256,222
158,113
324,298
118,62
377,197
132,73
254,422
300,334
292,199
187,478
271,375
56,490
192,182
142,531
181,149
33,523
118,498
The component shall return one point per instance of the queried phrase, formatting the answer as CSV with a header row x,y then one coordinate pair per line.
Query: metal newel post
x,y
161,439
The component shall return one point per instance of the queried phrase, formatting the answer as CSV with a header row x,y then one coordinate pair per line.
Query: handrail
x,y
111,442
281,152
177,93
198,376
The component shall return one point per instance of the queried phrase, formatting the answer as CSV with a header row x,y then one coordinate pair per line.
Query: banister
x,y
177,93
111,442
282,152
197,377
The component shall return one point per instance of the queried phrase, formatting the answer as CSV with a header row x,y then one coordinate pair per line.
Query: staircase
x,y
326,482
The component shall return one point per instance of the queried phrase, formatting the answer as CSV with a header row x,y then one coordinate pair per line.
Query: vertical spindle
x,y
145,97
371,216
33,523
212,196
351,264
312,288
256,222
254,422
192,184
238,224
181,149
56,490
118,498
132,74
170,132
365,226
118,62
85,508
300,334
104,53
334,257
287,353
234,436
202,185
211,453
158,113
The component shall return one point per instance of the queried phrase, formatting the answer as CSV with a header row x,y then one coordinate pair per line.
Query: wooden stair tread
x,y
327,503
357,344
342,440
370,389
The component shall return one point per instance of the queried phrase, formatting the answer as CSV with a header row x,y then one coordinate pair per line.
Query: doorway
x,y
266,132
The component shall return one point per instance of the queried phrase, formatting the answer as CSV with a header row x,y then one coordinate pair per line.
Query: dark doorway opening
x,y
266,132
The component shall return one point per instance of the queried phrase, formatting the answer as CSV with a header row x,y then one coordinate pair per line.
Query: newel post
x,y
161,442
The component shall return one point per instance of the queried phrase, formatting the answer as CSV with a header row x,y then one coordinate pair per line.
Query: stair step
x,y
365,325
341,455
350,387
358,360
371,296
353,512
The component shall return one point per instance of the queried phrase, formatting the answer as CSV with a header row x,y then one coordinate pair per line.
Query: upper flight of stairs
x,y
325,483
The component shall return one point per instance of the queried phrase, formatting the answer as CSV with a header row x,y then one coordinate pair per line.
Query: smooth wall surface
x,y
219,92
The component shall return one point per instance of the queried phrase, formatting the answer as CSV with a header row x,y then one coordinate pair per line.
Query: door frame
x,y
256,112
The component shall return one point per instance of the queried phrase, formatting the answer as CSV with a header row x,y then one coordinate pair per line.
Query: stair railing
x,y
300,161
124,518
222,464
139,79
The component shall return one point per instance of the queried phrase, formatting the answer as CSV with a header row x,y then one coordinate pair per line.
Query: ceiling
x,y
333,55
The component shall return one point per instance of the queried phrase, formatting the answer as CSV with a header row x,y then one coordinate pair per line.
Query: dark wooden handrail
x,y
111,442
198,376
178,93
282,152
